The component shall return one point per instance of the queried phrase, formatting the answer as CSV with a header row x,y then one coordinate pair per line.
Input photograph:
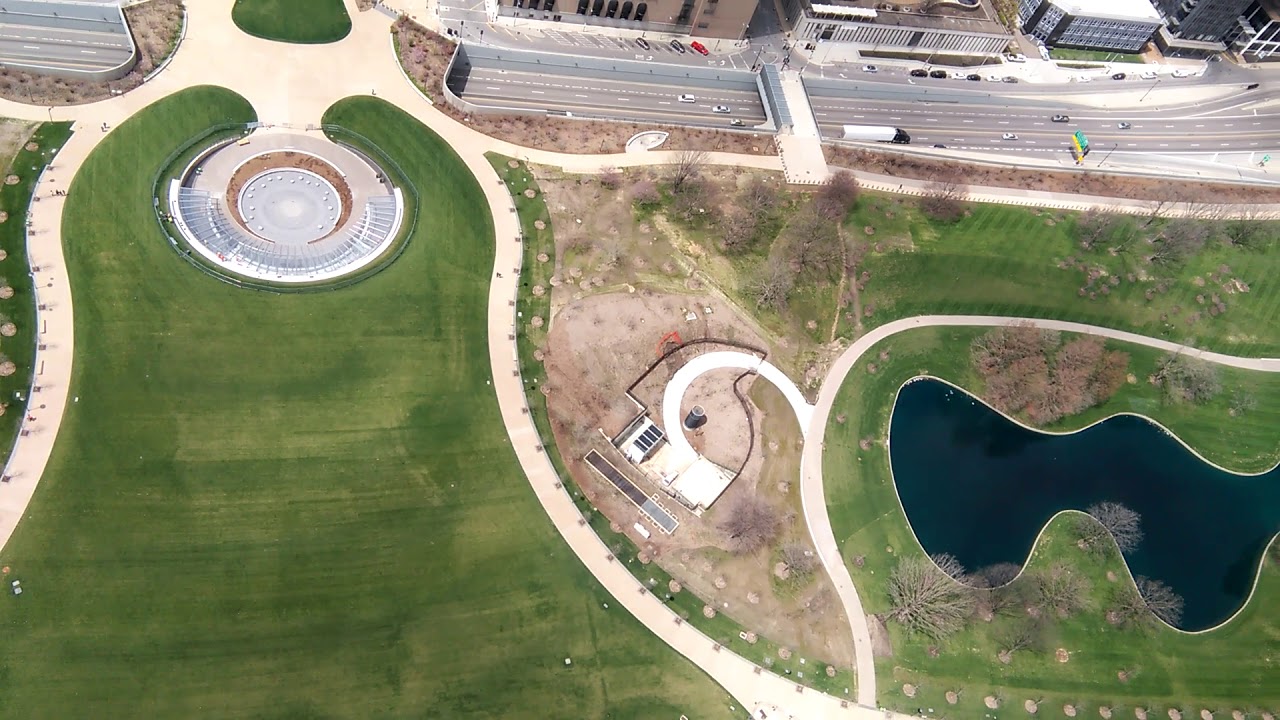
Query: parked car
x,y
1009,136
1148,75
699,47
958,75
687,98
1124,126
940,145
1119,76
975,77
722,109
1010,80
642,43
870,68
1182,73
1083,79
919,73
675,45
1060,118
736,122
937,74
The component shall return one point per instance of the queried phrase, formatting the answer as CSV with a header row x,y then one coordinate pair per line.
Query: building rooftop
x,y
1117,9
970,16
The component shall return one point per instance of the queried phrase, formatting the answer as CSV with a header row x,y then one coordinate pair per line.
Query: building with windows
x,y
727,19
1258,39
1198,28
917,29
1117,25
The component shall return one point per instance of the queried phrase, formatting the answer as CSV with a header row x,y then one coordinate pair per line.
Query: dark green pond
x,y
979,487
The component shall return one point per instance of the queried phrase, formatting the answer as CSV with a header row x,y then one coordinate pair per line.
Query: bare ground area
x,y
599,344
156,26
280,161
1084,183
425,56
13,135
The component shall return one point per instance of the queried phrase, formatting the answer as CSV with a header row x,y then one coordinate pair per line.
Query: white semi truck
x,y
876,133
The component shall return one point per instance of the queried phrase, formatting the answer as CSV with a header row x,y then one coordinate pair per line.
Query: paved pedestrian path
x,y
281,82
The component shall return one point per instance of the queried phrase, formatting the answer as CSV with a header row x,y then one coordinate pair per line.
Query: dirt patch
x,y
880,645
285,160
155,25
425,56
1085,183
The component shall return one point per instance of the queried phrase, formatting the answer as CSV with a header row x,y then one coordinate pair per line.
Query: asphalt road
x,y
78,37
653,102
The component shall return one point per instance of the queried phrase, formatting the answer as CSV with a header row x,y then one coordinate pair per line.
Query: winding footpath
x,y
280,81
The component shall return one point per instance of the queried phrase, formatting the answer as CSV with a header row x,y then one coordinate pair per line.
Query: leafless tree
x,y
1094,226
1180,239
813,244
771,287
837,196
1061,591
943,199
926,600
1250,229
1157,209
1242,402
738,230
1115,520
1162,600
750,523
1135,605
1031,634
688,164
760,197
1187,379
645,192
695,200
610,178
997,591
800,559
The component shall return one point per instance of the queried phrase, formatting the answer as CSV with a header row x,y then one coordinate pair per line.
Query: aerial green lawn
x,y
1223,669
286,506
1024,262
293,21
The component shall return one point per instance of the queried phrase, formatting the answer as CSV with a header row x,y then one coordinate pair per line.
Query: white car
x,y
1183,73
1149,75
1083,79
722,109
959,75
1009,136
686,98
870,68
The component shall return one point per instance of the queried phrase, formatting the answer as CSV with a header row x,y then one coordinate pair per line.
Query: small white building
x,y
1114,25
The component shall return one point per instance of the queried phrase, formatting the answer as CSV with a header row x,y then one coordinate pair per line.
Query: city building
x,y
1118,25
917,29
1259,32
725,19
1198,28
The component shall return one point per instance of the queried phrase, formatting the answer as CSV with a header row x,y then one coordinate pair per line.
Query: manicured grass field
x,y
1002,260
21,308
1224,669
1093,55
293,21
286,506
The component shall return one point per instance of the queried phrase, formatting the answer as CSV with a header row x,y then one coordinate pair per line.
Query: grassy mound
x,y
307,22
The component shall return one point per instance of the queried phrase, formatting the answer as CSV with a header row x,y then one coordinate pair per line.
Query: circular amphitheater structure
x,y
286,208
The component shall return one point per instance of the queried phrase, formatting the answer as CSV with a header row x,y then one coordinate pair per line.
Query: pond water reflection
x,y
980,487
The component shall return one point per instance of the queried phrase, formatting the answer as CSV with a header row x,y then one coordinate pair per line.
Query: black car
x,y
1010,79
974,77
941,74
919,73
675,45
642,43
1118,76
940,145
1251,86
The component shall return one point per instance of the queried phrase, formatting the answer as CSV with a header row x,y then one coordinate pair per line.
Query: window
x,y
582,6
613,9
597,7
642,9
626,10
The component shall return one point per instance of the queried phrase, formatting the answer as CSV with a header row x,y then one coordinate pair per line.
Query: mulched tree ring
x,y
12,179
3,254
991,701
575,272
1140,713
708,612
1069,710
540,225
545,388
597,281
784,653
751,637
831,671
644,558
32,147
539,355
8,329
721,583
952,697
909,690
615,527
674,586
6,292
530,193
537,321
1063,655
1175,714
1206,715
753,597
869,230
7,368
1105,712
3,216
1237,715
555,281
1031,706
539,291
543,257
513,164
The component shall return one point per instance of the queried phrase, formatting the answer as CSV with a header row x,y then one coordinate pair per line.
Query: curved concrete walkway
x,y
812,494
678,385
280,82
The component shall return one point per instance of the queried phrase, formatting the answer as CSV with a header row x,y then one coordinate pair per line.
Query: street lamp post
x,y
1148,92
1104,158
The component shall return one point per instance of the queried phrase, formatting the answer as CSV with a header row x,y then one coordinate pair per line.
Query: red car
x,y
702,49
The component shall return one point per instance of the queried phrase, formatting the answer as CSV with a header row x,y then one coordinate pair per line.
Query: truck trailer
x,y
876,133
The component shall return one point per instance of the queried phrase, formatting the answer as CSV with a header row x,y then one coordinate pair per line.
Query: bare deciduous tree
x,y
1162,600
800,559
837,196
738,230
1094,226
688,164
610,178
750,523
645,192
695,200
771,287
1250,229
1114,520
1180,239
943,199
1031,634
998,591
1187,379
1147,598
926,600
1061,591
813,244
760,197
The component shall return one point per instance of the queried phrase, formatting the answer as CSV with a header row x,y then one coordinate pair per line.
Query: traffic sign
x,y
1081,140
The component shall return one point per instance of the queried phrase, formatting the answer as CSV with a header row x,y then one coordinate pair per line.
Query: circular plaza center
x,y
290,206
